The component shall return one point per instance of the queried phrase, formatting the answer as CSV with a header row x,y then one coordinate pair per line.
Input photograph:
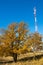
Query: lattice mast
x,y
35,20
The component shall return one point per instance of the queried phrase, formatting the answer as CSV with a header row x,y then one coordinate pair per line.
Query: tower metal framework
x,y
35,20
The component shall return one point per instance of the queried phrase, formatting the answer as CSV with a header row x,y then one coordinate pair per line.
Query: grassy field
x,y
23,59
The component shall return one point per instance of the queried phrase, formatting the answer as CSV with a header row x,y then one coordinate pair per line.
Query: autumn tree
x,y
36,40
15,39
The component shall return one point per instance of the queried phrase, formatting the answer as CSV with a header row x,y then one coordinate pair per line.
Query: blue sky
x,y
21,10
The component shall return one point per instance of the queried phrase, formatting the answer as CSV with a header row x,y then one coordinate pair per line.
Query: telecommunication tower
x,y
35,20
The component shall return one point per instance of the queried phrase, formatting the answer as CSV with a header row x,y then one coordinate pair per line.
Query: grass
x,y
23,59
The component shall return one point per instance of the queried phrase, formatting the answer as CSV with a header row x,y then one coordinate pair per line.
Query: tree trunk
x,y
14,54
15,57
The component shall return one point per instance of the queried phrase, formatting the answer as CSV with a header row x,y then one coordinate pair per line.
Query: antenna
x,y
35,20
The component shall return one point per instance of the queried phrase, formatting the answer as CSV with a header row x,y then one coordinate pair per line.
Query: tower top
x,y
34,11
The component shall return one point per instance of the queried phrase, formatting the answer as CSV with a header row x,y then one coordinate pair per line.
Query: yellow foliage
x,y
11,41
